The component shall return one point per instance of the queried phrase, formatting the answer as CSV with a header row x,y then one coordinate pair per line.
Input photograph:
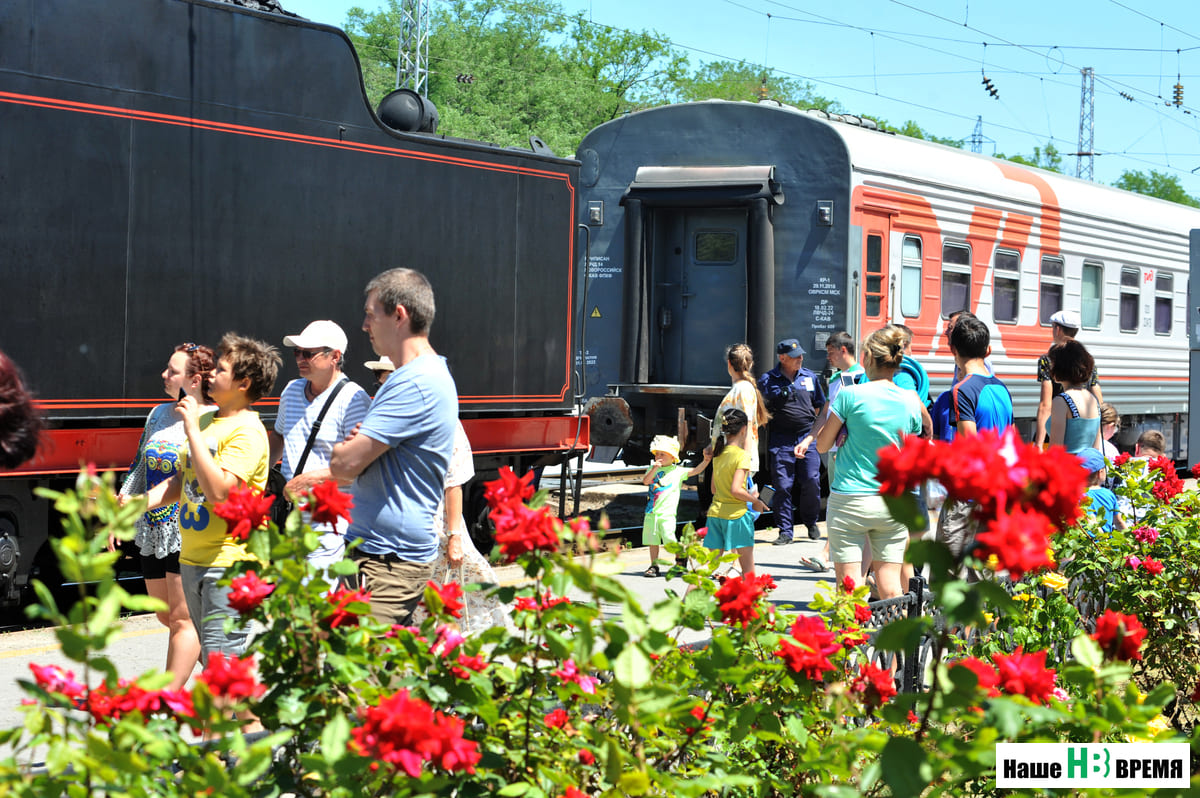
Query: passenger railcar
x,y
172,169
717,222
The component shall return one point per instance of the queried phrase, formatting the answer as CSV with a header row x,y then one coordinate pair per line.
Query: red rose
x,y
508,489
586,757
1025,674
738,597
862,613
1120,636
244,511
449,594
1121,459
574,793
54,679
811,657
848,584
327,503
246,592
556,719
1152,566
520,530
1145,534
344,612
406,733
231,677
700,713
986,674
1020,540
465,663
874,685
904,468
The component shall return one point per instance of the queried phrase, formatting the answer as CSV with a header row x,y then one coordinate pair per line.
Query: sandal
x,y
814,564
652,571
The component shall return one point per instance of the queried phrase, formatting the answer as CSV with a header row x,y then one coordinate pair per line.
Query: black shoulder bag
x,y
281,508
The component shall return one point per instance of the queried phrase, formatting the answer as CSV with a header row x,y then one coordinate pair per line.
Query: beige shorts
x,y
856,519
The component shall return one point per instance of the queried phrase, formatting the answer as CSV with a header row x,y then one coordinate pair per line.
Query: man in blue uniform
x,y
794,397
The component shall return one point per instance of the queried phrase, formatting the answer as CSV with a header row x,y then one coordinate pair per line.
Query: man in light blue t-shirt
x,y
398,458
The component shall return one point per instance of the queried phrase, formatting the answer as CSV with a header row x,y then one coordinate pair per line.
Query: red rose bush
x,y
597,694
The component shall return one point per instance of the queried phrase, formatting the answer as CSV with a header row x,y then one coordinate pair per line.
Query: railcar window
x,y
910,277
1006,286
873,290
1051,294
1164,298
956,278
1130,284
1092,296
716,246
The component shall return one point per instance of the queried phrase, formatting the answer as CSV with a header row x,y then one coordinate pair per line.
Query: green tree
x,y
739,80
913,130
536,70
1156,184
1049,158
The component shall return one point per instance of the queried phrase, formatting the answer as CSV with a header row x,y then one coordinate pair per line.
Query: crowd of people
x,y
403,454
867,404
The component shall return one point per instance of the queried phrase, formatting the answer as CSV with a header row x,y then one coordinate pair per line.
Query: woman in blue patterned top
x,y
188,370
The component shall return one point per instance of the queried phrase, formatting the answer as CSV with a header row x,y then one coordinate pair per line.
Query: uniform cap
x,y
790,347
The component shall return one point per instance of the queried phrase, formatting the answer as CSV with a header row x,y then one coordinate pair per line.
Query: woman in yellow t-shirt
x,y
730,525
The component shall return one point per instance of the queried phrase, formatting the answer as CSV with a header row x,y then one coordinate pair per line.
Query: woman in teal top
x,y
875,414
1074,413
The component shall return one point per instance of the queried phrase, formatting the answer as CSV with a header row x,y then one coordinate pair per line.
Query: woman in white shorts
x,y
875,414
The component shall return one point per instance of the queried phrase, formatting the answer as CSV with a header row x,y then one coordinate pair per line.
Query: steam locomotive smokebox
x,y
407,111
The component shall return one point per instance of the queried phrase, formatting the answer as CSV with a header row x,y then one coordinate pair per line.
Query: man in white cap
x,y
324,399
1063,326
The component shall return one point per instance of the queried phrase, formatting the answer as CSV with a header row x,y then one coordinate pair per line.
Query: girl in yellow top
x,y
730,526
744,396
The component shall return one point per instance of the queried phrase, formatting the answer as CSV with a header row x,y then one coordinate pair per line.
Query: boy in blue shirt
x,y
1099,502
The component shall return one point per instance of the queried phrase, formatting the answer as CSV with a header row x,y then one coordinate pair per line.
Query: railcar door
x,y
876,297
698,293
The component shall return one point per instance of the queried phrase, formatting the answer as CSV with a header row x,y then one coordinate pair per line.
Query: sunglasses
x,y
309,354
189,347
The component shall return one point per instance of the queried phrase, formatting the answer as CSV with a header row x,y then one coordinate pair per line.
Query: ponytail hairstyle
x,y
200,360
885,348
741,360
733,421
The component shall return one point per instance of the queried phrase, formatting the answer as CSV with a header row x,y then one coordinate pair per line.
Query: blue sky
x,y
924,60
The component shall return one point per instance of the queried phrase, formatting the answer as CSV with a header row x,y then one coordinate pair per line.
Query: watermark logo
x,y
1085,765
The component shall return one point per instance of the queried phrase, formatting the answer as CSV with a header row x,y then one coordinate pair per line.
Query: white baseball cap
x,y
319,334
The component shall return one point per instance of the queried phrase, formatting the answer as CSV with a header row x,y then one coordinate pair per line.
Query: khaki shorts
x,y
854,520
396,586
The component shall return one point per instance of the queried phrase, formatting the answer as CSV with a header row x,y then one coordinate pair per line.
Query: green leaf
x,y
334,738
634,783
902,635
632,667
905,767
1087,651
665,615
905,509
932,553
613,761
519,788
633,621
